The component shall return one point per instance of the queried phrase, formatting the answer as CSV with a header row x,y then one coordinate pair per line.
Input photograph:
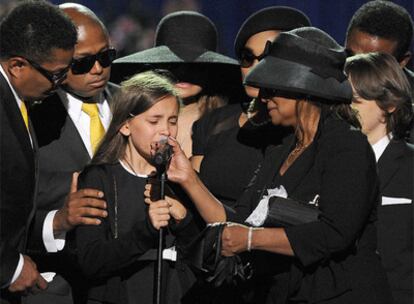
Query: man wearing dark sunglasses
x,y
55,78
36,49
67,135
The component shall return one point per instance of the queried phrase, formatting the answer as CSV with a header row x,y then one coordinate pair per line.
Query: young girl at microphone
x,y
118,256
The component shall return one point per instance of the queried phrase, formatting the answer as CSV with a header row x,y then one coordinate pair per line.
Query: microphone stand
x,y
161,160
162,177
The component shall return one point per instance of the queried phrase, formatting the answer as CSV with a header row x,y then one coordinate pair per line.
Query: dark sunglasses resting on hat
x,y
84,65
55,78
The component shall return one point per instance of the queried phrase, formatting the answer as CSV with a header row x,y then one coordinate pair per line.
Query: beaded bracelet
x,y
249,238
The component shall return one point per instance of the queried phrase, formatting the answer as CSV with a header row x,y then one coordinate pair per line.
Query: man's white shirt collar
x,y
380,146
16,97
81,120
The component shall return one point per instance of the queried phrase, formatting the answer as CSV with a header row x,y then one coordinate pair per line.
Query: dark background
x,y
132,22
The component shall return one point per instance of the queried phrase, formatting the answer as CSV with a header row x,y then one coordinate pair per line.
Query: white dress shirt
x,y
380,146
82,120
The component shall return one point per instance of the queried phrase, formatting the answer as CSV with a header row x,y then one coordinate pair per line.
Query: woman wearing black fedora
x,y
238,134
327,161
186,45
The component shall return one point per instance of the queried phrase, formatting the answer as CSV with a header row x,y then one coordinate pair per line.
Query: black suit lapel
x,y
15,118
36,183
73,141
297,170
279,159
274,158
56,129
27,142
388,163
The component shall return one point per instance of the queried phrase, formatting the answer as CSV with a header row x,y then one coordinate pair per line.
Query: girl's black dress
x,y
118,256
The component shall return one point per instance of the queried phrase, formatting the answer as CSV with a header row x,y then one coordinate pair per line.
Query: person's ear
x,y
405,59
16,65
124,130
391,109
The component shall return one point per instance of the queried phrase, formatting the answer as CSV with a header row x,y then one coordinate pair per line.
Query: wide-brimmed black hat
x,y
280,18
183,36
305,62
184,41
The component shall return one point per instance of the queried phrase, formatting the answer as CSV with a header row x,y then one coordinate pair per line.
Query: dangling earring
x,y
255,114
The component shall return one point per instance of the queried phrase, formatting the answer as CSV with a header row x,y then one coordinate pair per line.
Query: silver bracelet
x,y
249,238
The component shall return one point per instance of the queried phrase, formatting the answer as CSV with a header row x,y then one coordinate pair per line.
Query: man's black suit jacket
x,y
395,221
18,166
61,152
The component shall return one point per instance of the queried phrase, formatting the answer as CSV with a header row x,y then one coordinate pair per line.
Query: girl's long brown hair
x,y
137,95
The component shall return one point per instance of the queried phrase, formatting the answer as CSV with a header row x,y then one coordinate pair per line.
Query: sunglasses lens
x,y
246,58
105,58
83,65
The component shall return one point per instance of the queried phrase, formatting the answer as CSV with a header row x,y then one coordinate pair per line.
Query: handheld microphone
x,y
163,154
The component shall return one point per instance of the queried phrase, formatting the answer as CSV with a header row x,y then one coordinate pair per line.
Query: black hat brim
x,y
223,72
220,78
295,78
163,54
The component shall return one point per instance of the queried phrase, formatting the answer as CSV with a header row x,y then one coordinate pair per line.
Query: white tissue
x,y
259,214
48,276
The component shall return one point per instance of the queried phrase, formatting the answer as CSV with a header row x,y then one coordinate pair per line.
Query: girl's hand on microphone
x,y
159,213
175,207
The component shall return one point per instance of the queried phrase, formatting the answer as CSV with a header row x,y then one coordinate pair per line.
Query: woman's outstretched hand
x,y
181,172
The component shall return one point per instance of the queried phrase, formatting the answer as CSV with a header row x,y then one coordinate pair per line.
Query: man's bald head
x,y
81,15
93,41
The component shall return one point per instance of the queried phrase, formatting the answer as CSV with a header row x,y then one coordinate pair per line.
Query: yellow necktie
x,y
23,110
97,130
